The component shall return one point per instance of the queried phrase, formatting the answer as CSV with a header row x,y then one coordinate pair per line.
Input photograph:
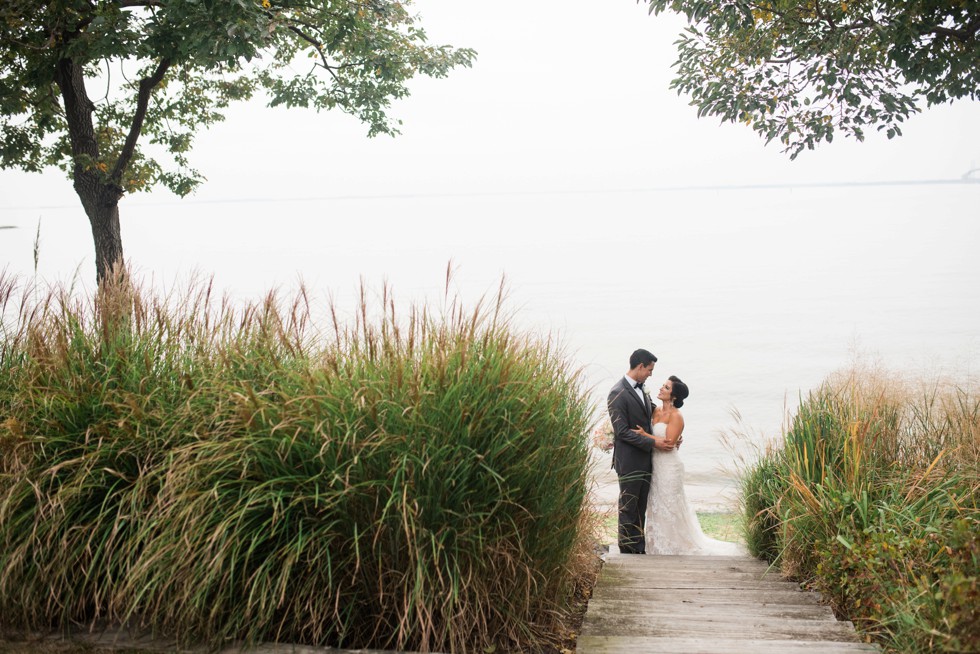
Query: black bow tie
x,y
640,386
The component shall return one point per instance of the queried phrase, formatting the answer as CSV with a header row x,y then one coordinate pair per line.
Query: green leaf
x,y
850,72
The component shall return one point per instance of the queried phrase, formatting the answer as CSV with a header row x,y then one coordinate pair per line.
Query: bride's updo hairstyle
x,y
678,391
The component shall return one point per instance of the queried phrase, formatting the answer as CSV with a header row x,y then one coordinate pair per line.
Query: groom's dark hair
x,y
642,357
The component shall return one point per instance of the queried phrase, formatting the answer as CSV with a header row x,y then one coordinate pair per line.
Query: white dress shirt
x,y
639,391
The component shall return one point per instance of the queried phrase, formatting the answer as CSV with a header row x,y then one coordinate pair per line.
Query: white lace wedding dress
x,y
671,524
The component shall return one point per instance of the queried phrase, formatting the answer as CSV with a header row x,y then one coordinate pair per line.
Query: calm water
x,y
750,296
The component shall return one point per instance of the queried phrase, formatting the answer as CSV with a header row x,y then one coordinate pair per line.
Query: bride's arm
x,y
659,443
675,427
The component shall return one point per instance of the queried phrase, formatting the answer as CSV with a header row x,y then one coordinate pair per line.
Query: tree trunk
x,y
98,193
101,204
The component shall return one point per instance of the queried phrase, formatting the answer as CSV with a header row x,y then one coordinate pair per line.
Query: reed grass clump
x,y
215,473
874,499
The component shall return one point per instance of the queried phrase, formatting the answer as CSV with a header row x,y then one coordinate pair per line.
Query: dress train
x,y
672,527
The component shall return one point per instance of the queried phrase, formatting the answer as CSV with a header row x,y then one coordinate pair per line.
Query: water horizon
x,y
751,296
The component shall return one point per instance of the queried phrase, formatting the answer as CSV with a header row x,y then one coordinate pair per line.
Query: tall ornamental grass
x,y
214,473
874,498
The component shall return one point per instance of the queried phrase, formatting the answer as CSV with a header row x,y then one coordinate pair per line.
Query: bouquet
x,y
602,437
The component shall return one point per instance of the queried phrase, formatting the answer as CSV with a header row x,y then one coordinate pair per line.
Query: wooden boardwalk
x,y
710,604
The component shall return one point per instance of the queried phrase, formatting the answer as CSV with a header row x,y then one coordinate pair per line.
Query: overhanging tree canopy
x,y
83,82
797,70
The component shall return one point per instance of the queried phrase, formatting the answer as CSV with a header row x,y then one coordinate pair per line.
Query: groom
x,y
629,408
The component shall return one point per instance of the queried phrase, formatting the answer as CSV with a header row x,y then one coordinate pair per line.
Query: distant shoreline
x,y
704,497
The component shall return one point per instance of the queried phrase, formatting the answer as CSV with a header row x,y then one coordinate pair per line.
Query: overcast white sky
x,y
565,95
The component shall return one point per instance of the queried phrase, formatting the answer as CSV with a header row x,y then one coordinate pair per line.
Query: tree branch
x,y
78,109
142,102
823,15
966,33
319,49
312,41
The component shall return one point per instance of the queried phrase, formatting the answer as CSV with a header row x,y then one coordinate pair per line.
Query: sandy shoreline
x,y
704,497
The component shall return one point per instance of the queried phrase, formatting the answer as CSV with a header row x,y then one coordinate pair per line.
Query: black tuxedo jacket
x,y
631,452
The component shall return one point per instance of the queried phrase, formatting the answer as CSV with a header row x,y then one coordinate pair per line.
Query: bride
x,y
671,524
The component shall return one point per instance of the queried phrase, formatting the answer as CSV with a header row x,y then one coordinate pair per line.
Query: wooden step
x,y
695,645
688,604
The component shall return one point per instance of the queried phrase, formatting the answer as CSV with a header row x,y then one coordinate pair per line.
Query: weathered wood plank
x,y
632,645
124,641
655,560
722,626
704,582
671,606
667,563
655,575
707,604
760,596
